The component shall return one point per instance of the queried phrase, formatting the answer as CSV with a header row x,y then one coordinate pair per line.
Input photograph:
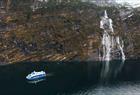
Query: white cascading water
x,y
109,42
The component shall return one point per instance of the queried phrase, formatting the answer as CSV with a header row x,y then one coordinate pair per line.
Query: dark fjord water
x,y
72,78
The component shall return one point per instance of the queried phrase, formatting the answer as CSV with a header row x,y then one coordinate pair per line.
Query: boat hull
x,y
36,77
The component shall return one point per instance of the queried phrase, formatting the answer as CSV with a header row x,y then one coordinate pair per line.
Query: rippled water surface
x,y
72,78
127,88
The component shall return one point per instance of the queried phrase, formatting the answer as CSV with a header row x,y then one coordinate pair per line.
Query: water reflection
x,y
105,71
36,81
110,70
68,77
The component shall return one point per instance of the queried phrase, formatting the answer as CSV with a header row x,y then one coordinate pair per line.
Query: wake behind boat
x,y
36,75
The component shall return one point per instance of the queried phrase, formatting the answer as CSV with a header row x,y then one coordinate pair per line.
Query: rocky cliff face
x,y
62,32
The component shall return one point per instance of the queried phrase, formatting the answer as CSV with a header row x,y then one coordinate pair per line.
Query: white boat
x,y
36,75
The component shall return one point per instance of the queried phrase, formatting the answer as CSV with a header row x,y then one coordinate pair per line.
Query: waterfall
x,y
109,41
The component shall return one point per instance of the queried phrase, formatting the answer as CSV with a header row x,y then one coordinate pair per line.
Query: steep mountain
x,y
62,32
